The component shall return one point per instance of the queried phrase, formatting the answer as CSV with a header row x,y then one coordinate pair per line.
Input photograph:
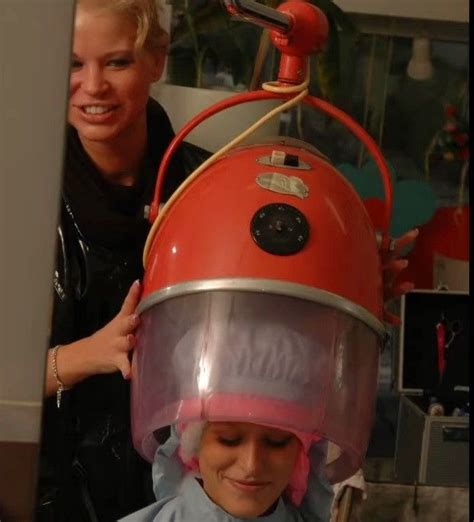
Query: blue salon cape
x,y
193,505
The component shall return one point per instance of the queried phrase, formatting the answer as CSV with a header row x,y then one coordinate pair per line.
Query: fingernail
x,y
136,282
135,319
405,263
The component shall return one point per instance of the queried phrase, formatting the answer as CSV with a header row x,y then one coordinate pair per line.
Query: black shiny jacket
x,y
89,470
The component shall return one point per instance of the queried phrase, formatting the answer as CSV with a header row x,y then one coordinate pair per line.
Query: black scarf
x,y
112,216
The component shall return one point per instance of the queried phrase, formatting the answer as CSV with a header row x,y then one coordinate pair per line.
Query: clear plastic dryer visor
x,y
256,357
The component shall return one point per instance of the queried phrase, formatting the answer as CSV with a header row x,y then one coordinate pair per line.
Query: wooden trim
x,y
18,477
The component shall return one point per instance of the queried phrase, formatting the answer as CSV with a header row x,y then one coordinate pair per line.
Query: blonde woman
x,y
116,137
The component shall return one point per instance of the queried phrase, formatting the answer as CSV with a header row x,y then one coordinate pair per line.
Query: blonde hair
x,y
144,13
190,440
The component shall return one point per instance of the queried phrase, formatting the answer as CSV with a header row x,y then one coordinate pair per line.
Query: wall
x,y
34,62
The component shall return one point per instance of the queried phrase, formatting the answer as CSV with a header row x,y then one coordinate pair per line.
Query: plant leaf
x,y
333,64
327,65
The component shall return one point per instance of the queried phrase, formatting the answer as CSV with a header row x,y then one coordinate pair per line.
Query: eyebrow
x,y
111,54
223,424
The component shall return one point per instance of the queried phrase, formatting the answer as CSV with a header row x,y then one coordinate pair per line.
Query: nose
x,y
94,81
251,458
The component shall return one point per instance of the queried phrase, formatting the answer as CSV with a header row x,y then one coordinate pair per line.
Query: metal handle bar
x,y
259,14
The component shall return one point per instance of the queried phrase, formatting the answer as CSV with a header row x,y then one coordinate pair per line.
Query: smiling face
x,y
246,467
110,78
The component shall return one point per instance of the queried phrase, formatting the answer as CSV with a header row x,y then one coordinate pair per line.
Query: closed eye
x,y
278,443
229,441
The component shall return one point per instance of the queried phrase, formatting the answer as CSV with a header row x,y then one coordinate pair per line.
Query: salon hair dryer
x,y
262,296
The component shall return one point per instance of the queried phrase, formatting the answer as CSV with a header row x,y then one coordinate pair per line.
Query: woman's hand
x,y
108,349
392,265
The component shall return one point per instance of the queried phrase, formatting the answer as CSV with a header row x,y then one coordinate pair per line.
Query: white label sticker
x,y
282,184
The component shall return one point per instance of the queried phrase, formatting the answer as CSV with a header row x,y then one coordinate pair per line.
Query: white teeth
x,y
96,109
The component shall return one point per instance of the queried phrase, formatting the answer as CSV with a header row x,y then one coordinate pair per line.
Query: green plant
x,y
333,65
205,37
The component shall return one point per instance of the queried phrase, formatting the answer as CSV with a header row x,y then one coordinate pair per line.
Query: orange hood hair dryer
x,y
262,296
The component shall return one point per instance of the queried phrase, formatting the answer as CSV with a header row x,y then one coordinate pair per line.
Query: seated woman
x,y
238,471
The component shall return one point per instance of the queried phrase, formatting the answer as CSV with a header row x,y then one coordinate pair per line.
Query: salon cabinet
x,y
433,449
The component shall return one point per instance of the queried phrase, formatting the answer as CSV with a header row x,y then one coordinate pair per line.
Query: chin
x,y
241,509
96,133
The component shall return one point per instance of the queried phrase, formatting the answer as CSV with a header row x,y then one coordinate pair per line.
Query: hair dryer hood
x,y
263,302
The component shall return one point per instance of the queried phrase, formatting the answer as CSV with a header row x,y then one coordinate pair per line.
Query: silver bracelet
x,y
59,383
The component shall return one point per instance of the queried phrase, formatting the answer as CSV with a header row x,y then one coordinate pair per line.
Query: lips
x,y
96,113
97,109
248,486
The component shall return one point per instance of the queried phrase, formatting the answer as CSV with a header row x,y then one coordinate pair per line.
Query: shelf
x,y
441,10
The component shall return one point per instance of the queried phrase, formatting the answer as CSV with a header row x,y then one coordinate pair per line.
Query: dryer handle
x,y
259,14
349,123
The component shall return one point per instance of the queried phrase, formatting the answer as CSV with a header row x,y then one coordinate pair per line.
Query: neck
x,y
120,158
